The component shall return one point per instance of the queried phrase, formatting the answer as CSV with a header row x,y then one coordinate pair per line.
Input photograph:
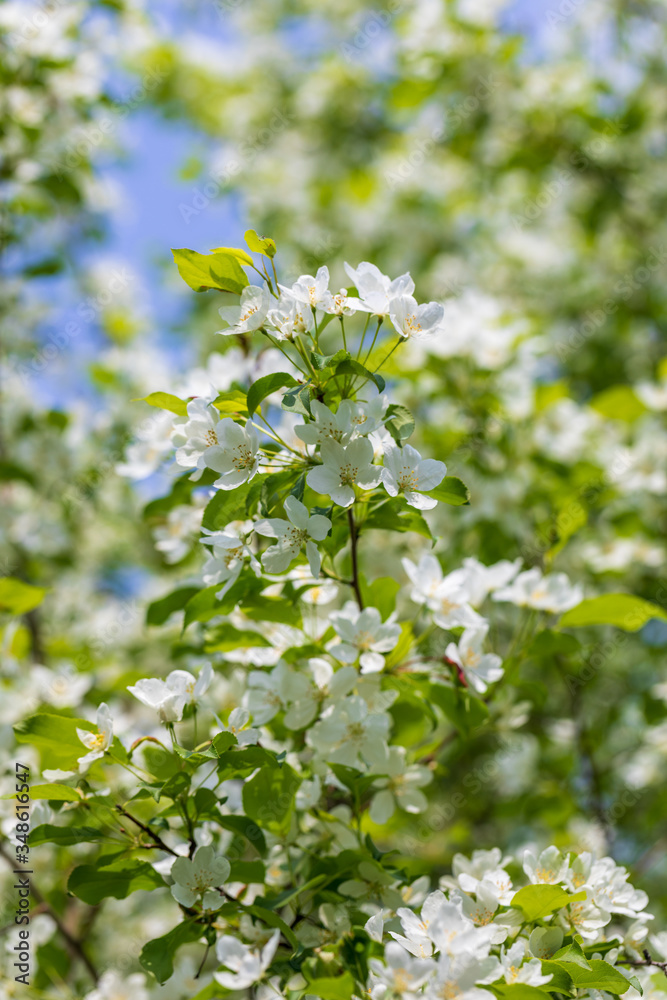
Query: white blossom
x,y
412,320
230,552
376,290
235,456
290,317
311,291
198,877
363,636
406,472
531,589
348,733
344,468
300,528
479,668
402,787
247,964
327,425
96,743
169,697
251,312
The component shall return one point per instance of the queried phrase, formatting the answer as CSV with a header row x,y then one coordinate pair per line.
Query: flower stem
x,y
375,337
389,354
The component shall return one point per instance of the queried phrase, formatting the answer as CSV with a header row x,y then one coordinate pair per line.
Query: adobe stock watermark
x,y
375,23
563,12
453,119
578,160
485,771
86,138
248,149
38,16
624,288
59,340
225,7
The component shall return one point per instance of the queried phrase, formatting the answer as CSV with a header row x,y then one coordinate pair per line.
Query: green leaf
x,y
601,976
381,594
560,981
246,828
622,610
231,403
572,953
618,402
399,422
517,991
165,401
537,901
92,883
242,762
339,988
157,956
352,367
47,833
297,400
219,745
397,515
322,361
223,507
260,244
226,637
18,597
268,797
247,871
203,271
241,255
547,643
55,793
273,920
159,611
55,737
464,710
263,387
452,491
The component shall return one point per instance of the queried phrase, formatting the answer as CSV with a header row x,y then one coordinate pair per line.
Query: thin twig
x,y
648,961
157,840
74,946
355,564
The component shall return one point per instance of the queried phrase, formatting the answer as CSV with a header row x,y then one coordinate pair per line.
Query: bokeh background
x,y
512,157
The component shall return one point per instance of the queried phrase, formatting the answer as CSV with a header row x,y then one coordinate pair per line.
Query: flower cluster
x,y
478,931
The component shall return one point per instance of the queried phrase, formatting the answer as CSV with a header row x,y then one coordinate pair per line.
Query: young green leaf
x,y
201,272
263,387
260,244
622,610
537,901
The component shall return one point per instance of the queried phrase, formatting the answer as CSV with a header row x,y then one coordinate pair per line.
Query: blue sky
x,y
148,220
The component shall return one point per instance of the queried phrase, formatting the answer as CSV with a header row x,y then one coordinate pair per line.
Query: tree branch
x,y
355,564
73,944
157,840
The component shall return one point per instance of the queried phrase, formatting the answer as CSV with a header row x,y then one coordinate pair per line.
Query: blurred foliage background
x,y
511,157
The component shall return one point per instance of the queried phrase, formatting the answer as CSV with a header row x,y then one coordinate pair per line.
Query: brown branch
x,y
73,944
648,961
355,564
157,840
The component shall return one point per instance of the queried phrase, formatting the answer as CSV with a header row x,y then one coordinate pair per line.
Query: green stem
x,y
342,327
375,337
389,354
363,334
277,345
